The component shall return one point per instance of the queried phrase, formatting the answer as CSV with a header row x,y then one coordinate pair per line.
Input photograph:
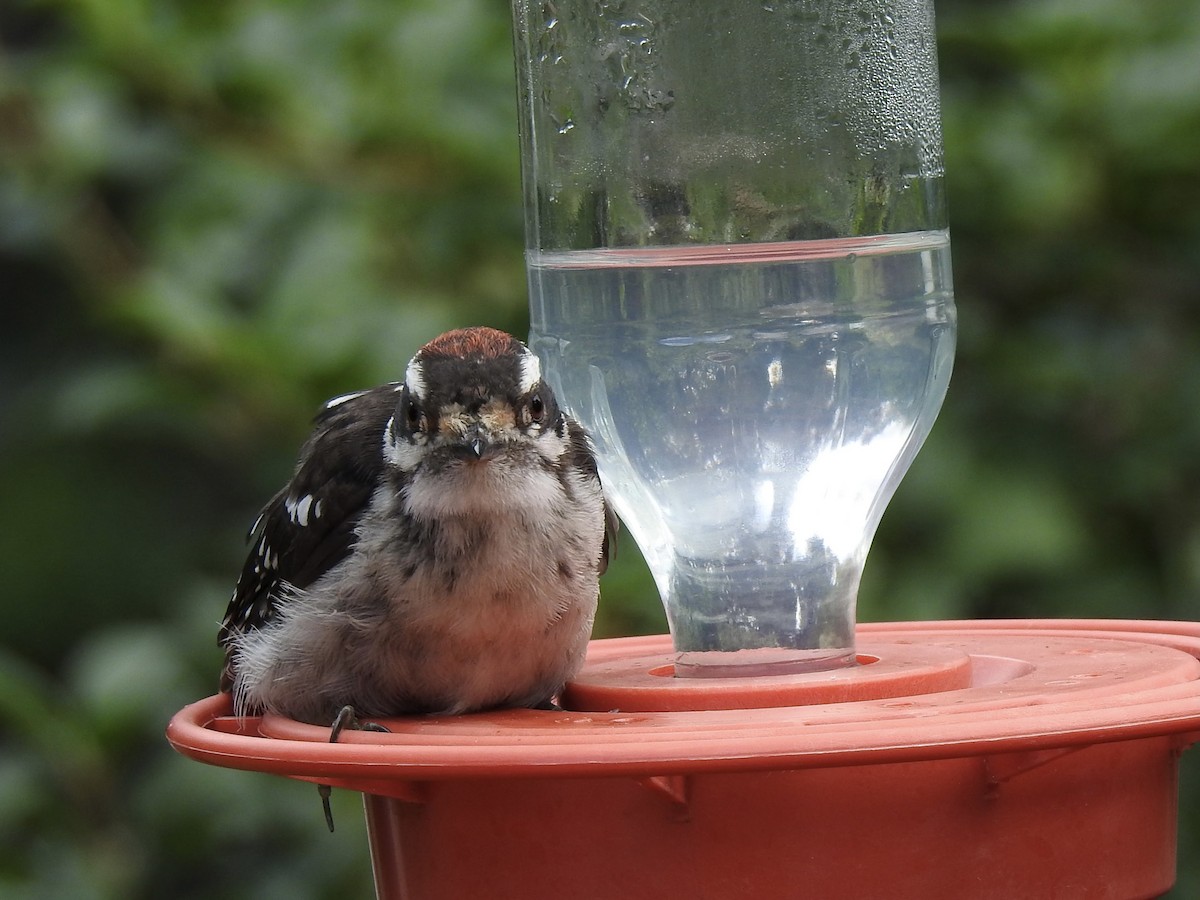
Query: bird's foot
x,y
345,718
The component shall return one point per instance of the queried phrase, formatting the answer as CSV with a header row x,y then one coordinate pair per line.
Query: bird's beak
x,y
475,443
470,436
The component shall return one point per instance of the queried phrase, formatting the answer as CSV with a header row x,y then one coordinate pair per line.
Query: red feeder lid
x,y
921,691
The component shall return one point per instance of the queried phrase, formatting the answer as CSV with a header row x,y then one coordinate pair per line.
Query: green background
x,y
213,215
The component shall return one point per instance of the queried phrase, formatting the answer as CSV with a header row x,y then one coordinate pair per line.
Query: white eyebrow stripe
x,y
531,372
414,379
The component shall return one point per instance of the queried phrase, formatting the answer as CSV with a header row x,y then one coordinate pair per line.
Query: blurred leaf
x,y
215,215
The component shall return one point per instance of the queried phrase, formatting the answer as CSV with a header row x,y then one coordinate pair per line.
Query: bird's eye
x,y
413,414
537,409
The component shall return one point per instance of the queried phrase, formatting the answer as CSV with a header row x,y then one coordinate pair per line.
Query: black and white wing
x,y
309,526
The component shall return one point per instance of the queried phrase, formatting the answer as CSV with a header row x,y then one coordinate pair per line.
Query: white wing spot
x,y
339,400
298,509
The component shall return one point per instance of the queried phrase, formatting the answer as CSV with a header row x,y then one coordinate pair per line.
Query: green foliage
x,y
214,215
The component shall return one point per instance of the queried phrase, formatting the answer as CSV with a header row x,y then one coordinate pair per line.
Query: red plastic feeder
x,y
957,759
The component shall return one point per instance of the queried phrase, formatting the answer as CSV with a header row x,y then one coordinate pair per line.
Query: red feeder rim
x,y
921,691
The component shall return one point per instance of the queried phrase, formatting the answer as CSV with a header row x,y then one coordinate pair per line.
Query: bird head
x,y
474,399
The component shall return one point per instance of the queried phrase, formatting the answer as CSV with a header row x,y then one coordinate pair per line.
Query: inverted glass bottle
x,y
740,284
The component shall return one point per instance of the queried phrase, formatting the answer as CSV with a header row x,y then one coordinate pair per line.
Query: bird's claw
x,y
345,718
